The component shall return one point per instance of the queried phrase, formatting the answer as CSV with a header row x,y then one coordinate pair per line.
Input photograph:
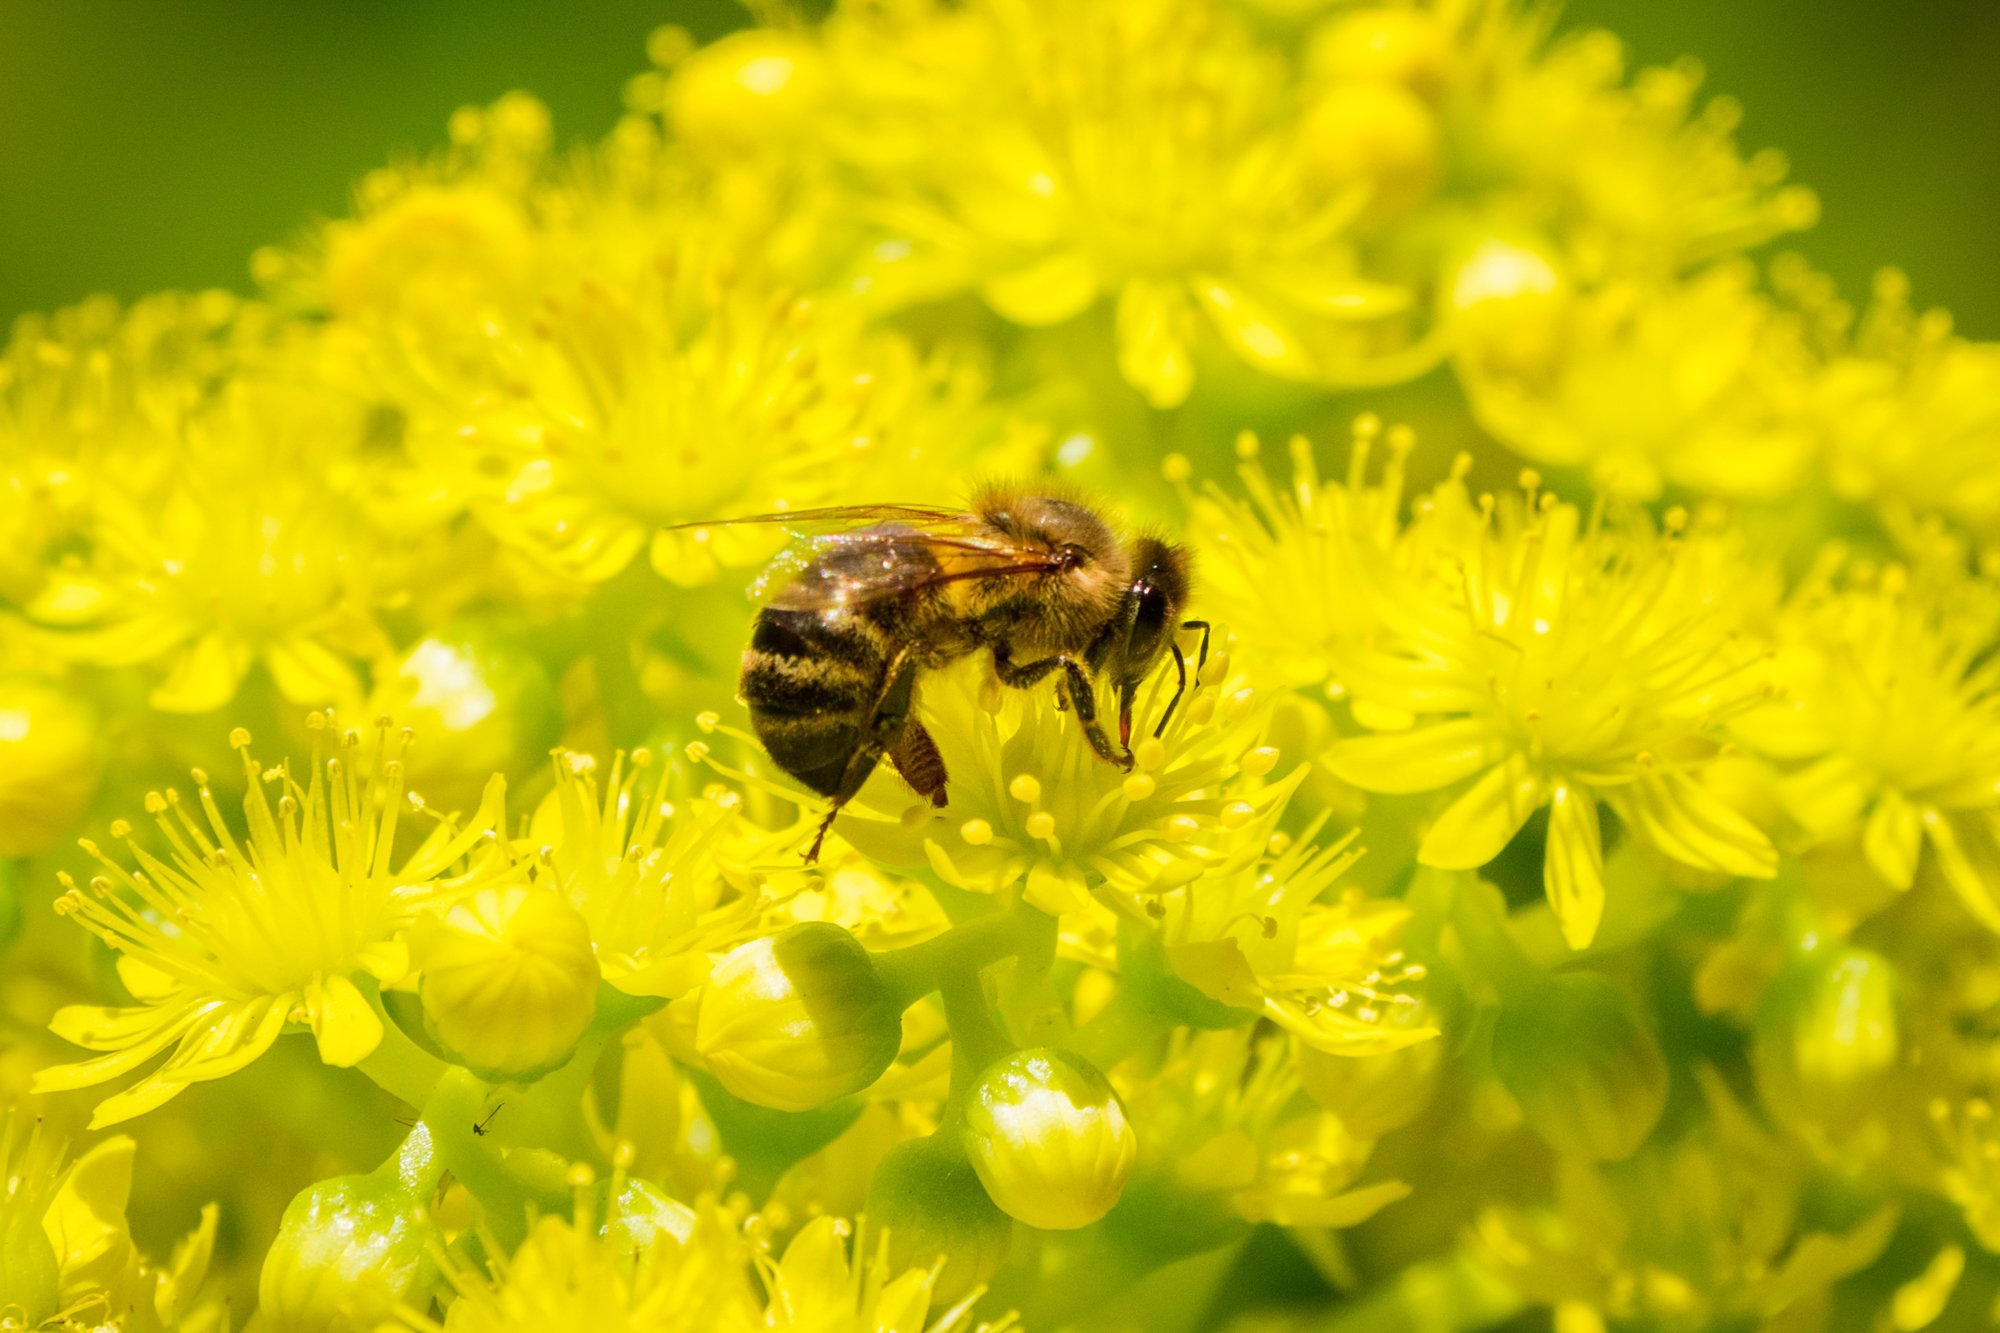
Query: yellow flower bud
x,y
1511,306
510,980
747,87
48,764
1825,1032
1589,1077
479,702
350,1249
930,1201
1406,45
1049,1139
1376,134
798,1019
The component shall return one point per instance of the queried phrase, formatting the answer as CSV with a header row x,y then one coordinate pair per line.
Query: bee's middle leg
x,y
884,726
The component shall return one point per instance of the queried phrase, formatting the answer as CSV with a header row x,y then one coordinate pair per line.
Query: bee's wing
x,y
850,568
843,518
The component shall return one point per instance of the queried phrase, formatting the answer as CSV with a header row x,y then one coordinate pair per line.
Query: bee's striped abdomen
x,y
810,679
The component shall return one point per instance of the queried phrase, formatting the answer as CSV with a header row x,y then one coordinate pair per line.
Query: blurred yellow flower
x,y
1889,727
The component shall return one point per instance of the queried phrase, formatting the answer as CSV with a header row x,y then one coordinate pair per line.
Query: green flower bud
x,y
510,980
798,1019
1588,1075
930,1201
1825,1031
351,1248
31,1169
1049,1139
49,764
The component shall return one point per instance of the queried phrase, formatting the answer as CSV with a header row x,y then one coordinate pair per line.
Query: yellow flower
x,y
1152,153
1889,728
663,884
569,1274
1031,804
1276,567
227,942
66,1251
1263,942
588,361
1698,382
1559,665
1696,1233
239,554
50,762
1910,411
1631,180
97,392
1221,1128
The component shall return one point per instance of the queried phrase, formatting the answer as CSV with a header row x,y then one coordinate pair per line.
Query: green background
x,y
151,144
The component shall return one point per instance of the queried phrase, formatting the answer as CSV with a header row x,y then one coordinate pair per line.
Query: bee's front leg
x,y
1083,696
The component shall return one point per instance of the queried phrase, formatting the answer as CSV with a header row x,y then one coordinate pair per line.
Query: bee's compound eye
x,y
1074,557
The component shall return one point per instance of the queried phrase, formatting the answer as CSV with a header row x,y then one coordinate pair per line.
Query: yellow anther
x,y
1238,813
1246,444
707,722
976,832
1175,467
1149,754
1041,824
1240,704
238,738
120,829
916,814
1025,788
1180,828
1260,760
1139,786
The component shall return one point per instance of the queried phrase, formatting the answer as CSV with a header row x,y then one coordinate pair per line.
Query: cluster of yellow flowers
x,y
1567,889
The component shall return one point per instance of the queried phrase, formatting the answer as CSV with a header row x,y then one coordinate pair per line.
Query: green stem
x,y
976,1040
456,1106
398,1065
916,970
1030,1003
1122,1026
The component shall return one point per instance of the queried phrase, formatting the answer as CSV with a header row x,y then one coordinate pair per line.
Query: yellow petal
x,y
1056,289
1218,969
1056,890
1686,821
1342,1210
1256,331
1827,796
1414,761
308,672
182,1281
1893,837
343,1023
1573,863
205,675
1474,828
85,1222
1965,855
1155,333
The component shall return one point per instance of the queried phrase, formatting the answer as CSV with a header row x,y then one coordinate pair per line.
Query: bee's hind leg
x,y
916,757
1083,697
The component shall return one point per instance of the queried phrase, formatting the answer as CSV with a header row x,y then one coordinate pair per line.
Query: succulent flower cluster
x,y
1567,891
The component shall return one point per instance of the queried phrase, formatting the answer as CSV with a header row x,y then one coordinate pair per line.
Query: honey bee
x,y
890,592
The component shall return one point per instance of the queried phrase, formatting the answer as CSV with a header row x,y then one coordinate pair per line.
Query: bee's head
x,y
1161,576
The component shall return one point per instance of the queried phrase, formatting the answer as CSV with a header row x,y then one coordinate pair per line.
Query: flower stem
x,y
398,1065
